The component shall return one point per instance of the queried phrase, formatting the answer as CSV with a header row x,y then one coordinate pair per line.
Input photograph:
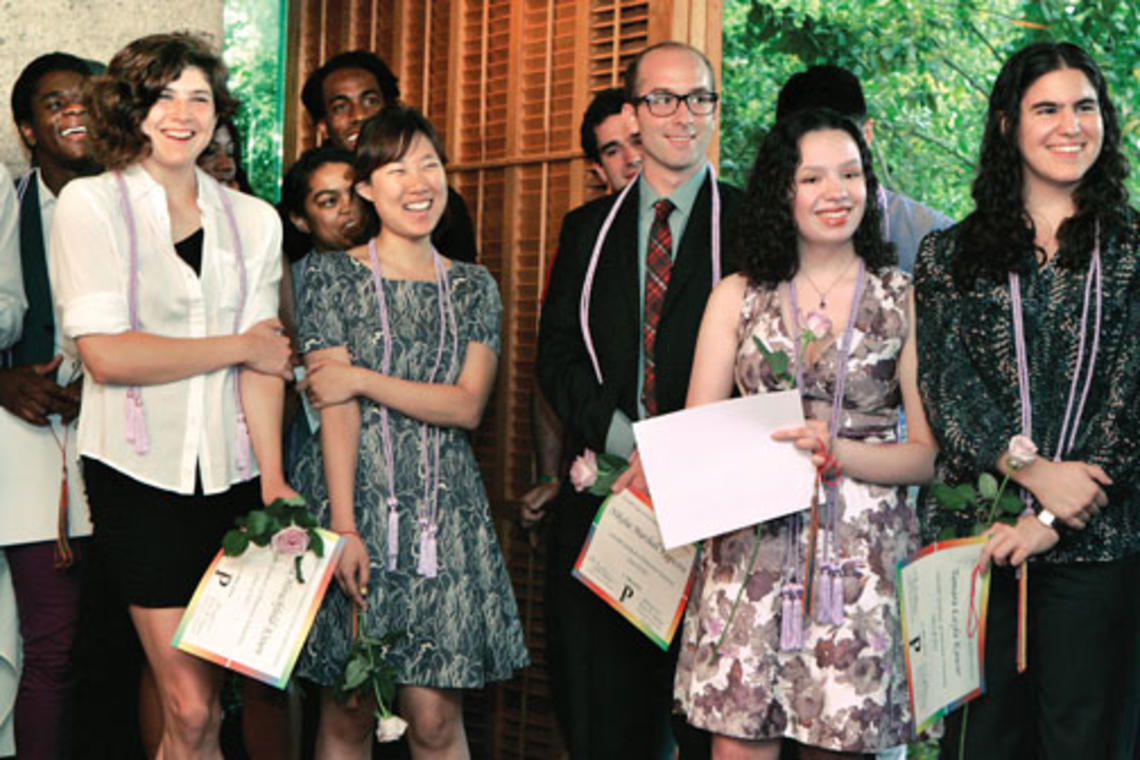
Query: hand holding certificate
x,y
624,563
715,468
942,600
250,614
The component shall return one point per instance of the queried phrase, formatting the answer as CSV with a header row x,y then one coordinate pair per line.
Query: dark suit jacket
x,y
565,372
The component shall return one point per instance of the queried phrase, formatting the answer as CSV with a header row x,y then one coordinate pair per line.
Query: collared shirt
x,y
30,456
190,422
906,222
13,303
619,438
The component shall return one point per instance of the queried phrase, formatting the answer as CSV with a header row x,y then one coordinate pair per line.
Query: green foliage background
x,y
926,67
254,52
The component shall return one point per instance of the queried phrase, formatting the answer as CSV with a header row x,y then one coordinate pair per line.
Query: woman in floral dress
x,y
401,350
754,668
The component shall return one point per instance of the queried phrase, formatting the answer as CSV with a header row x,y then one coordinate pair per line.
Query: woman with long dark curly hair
x,y
1029,311
822,670
167,283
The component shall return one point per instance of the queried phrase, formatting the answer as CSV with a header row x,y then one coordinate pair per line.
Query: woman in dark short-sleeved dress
x,y
396,411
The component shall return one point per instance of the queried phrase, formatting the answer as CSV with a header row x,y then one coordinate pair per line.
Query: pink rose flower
x,y
390,728
818,323
292,541
1022,452
584,471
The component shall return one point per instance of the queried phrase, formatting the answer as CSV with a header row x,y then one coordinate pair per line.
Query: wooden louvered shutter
x,y
505,82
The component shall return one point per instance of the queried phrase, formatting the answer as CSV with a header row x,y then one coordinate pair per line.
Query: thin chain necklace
x,y
824,291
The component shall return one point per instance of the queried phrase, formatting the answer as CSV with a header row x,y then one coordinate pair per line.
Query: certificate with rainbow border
x,y
249,613
942,604
624,562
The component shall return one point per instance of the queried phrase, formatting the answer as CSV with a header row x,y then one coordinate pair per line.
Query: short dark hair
x,y
605,104
386,137
313,94
120,99
24,88
831,87
295,186
630,79
765,246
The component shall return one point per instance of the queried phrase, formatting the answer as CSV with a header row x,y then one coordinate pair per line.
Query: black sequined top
x,y
968,381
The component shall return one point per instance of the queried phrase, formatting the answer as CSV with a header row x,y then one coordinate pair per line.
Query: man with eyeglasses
x,y
652,275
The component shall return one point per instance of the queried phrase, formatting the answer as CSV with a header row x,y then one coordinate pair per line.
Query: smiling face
x,y
219,157
673,147
57,132
410,193
332,211
830,191
1060,131
620,152
181,122
351,97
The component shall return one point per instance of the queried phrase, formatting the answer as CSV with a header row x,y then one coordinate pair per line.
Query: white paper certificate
x,y
715,468
624,563
251,615
943,609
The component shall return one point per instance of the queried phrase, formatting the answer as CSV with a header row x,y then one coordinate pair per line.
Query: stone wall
x,y
89,28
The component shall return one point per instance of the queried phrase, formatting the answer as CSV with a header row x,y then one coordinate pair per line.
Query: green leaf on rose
x,y
987,485
257,522
967,492
948,497
356,672
1010,504
948,533
234,542
316,543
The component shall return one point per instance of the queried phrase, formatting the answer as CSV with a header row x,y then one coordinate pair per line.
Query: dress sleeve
x,y
972,429
320,303
482,322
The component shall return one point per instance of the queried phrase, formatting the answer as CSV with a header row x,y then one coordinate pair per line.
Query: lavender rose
x,y
584,471
1022,452
818,324
292,541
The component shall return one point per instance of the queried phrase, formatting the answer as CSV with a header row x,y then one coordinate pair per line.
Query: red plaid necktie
x,y
658,265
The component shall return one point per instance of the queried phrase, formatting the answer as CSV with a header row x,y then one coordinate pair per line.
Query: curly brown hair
x,y
120,99
765,247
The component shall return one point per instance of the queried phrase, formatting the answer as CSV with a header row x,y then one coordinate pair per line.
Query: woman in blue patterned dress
x,y
756,668
401,350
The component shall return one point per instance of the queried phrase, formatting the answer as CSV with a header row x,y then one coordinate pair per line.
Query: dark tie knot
x,y
663,207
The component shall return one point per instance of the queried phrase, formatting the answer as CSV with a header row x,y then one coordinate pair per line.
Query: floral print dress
x,y
845,690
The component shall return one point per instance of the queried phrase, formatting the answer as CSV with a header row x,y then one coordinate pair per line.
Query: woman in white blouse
x,y
168,284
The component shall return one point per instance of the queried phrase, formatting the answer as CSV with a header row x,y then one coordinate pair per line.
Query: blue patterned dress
x,y
460,629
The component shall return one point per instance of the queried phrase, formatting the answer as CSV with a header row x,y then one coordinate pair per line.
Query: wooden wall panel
x,y
505,82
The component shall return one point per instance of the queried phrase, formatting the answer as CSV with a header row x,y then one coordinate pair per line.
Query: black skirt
x,y
159,543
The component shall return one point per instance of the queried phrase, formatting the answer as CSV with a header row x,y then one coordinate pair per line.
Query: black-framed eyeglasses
x,y
665,103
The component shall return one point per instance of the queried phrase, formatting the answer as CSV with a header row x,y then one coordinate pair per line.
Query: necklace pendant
x,y
822,303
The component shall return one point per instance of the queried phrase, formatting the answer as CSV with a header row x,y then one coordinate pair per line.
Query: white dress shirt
x,y
30,457
13,303
190,421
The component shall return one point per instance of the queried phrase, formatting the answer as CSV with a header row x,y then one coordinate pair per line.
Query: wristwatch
x,y
1046,518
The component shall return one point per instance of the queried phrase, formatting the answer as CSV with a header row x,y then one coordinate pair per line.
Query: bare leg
x,y
345,731
435,723
150,712
188,687
729,748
